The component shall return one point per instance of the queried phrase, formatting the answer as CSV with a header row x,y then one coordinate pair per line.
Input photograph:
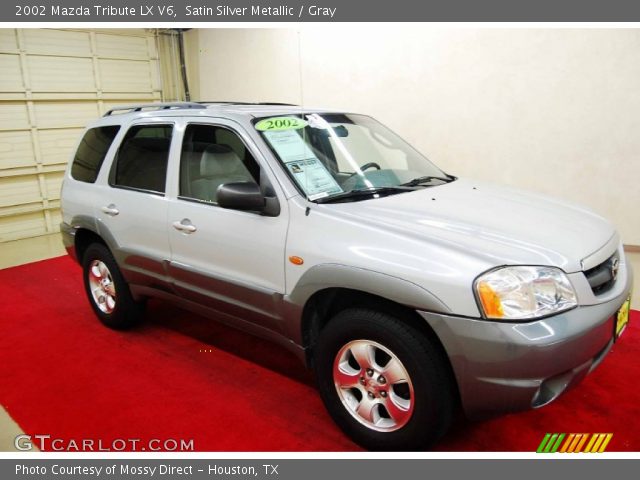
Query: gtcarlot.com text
x,y
49,443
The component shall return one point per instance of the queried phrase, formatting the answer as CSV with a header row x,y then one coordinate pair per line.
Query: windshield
x,y
338,155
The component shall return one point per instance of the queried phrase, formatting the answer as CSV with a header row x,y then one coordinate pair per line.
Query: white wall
x,y
553,110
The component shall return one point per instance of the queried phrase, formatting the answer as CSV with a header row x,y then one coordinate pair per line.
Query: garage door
x,y
52,83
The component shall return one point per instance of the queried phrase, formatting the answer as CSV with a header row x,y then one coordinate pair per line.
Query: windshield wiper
x,y
365,192
427,179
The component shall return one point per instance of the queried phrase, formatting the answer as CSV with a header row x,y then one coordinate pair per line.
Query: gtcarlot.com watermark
x,y
48,443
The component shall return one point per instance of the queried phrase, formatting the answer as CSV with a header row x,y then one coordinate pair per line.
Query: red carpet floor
x,y
63,374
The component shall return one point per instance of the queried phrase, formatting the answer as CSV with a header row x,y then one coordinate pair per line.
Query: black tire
x,y
432,395
126,312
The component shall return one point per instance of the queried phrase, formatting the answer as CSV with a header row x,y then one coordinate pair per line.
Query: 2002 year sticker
x,y
280,123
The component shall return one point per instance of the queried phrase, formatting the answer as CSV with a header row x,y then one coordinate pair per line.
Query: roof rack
x,y
223,102
153,106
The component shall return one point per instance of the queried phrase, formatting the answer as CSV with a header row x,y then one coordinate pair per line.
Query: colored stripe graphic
x,y
567,443
608,438
550,443
590,444
555,447
579,437
574,443
543,443
581,443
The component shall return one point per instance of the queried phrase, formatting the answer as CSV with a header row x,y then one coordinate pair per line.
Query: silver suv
x,y
407,290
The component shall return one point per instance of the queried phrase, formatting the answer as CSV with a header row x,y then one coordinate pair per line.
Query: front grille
x,y
602,277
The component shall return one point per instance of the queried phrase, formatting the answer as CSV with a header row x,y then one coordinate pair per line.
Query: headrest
x,y
219,160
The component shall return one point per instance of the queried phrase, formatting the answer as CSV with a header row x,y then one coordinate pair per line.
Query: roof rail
x,y
153,106
223,102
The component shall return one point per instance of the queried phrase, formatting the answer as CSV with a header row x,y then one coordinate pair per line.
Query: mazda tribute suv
x,y
410,292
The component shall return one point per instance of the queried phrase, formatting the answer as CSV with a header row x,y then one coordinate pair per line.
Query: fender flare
x,y
324,276
94,225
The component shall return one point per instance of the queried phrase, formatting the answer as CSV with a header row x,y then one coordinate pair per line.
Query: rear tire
x,y
108,291
385,383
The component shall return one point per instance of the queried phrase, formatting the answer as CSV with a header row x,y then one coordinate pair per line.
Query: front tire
x,y
108,291
385,383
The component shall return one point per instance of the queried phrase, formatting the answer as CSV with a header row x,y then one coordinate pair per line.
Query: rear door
x,y
132,211
229,260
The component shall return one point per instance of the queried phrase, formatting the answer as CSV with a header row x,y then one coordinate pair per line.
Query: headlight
x,y
520,293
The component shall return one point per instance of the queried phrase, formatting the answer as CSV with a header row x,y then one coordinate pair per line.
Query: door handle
x,y
185,226
110,210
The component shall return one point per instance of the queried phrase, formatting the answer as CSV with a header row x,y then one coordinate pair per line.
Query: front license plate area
x,y
621,319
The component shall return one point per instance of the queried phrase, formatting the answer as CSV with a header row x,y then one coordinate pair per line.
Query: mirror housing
x,y
246,196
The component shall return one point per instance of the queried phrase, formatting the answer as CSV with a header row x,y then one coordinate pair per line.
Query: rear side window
x,y
91,152
142,158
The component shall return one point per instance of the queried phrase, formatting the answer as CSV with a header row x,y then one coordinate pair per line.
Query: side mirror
x,y
241,196
248,196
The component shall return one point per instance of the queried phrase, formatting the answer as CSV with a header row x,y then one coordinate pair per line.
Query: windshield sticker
x,y
307,170
318,195
314,178
289,145
280,124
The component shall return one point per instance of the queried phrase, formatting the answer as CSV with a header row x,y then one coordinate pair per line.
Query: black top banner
x,y
159,11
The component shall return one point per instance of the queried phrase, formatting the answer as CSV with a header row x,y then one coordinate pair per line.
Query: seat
x,y
190,165
219,164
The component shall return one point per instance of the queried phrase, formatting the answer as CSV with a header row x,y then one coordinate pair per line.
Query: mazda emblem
x,y
615,266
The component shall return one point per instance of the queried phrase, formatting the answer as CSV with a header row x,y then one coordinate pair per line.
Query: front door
x,y
229,260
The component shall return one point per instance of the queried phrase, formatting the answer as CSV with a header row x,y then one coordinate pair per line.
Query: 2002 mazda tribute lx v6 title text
x,y
407,290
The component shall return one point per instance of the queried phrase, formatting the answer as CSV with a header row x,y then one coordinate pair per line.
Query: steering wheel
x,y
364,167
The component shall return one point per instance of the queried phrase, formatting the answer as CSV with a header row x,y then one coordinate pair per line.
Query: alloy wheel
x,y
103,290
373,385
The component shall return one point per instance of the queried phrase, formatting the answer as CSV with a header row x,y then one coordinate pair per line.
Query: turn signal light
x,y
296,260
490,301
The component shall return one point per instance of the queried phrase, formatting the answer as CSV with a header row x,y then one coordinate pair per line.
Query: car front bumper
x,y
504,367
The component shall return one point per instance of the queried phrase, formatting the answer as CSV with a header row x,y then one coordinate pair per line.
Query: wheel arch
x,y
83,238
326,289
325,304
88,230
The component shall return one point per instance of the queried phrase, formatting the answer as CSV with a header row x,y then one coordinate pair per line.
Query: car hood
x,y
502,225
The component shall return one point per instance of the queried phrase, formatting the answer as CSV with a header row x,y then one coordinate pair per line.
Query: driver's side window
x,y
213,155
